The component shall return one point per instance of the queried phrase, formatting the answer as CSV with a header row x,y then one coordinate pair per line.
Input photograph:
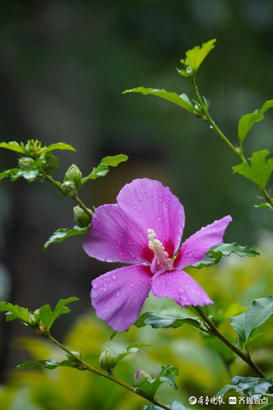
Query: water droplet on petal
x,y
114,277
132,285
94,294
159,219
118,293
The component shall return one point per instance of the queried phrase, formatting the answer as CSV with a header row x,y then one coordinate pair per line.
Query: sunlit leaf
x,y
15,173
181,100
264,205
195,57
149,386
63,233
247,121
259,170
59,145
215,254
15,312
13,146
259,311
160,321
103,168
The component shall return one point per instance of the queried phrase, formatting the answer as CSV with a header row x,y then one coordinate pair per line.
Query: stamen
x,y
162,257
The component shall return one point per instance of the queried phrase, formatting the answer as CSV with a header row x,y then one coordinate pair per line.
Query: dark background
x,y
63,66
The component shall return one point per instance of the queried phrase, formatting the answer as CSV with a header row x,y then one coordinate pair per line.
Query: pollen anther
x,y
162,258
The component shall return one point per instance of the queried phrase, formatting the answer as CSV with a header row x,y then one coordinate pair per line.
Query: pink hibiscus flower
x,y
144,229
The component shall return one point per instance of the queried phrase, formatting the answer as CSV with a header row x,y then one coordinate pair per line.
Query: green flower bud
x,y
25,162
107,360
80,216
69,188
141,376
73,174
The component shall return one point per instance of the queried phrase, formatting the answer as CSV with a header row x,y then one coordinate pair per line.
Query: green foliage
x,y
194,58
34,148
103,168
245,323
63,233
14,173
161,321
150,385
60,146
15,312
259,170
48,316
264,205
181,100
215,254
131,349
249,386
13,146
247,121
52,364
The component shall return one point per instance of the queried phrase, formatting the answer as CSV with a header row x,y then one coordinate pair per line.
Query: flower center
x,y
162,260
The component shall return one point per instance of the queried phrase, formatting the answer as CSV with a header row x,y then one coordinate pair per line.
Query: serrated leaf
x,y
165,321
260,310
103,168
48,317
196,55
15,312
249,386
51,364
63,233
215,254
132,348
247,121
181,100
59,145
149,386
259,170
13,146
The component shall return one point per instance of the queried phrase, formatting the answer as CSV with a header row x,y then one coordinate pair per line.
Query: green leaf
x,y
13,146
264,205
195,57
249,386
15,312
259,170
215,254
132,348
48,317
63,233
247,121
181,100
15,173
103,168
59,145
149,386
259,311
51,364
166,321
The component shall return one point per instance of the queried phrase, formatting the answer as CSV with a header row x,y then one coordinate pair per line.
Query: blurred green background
x,y
63,67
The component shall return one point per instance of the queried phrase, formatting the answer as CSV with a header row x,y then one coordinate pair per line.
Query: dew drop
x,y
114,277
94,294
117,294
132,285
159,219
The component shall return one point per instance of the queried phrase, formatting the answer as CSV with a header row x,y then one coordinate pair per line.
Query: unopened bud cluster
x,y
81,218
107,360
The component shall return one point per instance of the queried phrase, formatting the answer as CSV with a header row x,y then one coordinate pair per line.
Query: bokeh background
x,y
63,67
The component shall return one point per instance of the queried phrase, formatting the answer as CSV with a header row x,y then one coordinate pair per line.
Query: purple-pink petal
x,y
118,296
114,236
178,285
196,246
154,206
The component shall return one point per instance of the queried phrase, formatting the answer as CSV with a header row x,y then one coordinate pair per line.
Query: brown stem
x,y
244,356
92,369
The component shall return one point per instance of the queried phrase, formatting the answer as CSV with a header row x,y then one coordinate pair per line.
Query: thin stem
x,y
92,369
267,196
74,197
244,356
213,124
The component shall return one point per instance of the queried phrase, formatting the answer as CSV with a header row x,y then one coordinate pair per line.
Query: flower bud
x,y
141,376
25,162
73,174
107,360
69,188
80,216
